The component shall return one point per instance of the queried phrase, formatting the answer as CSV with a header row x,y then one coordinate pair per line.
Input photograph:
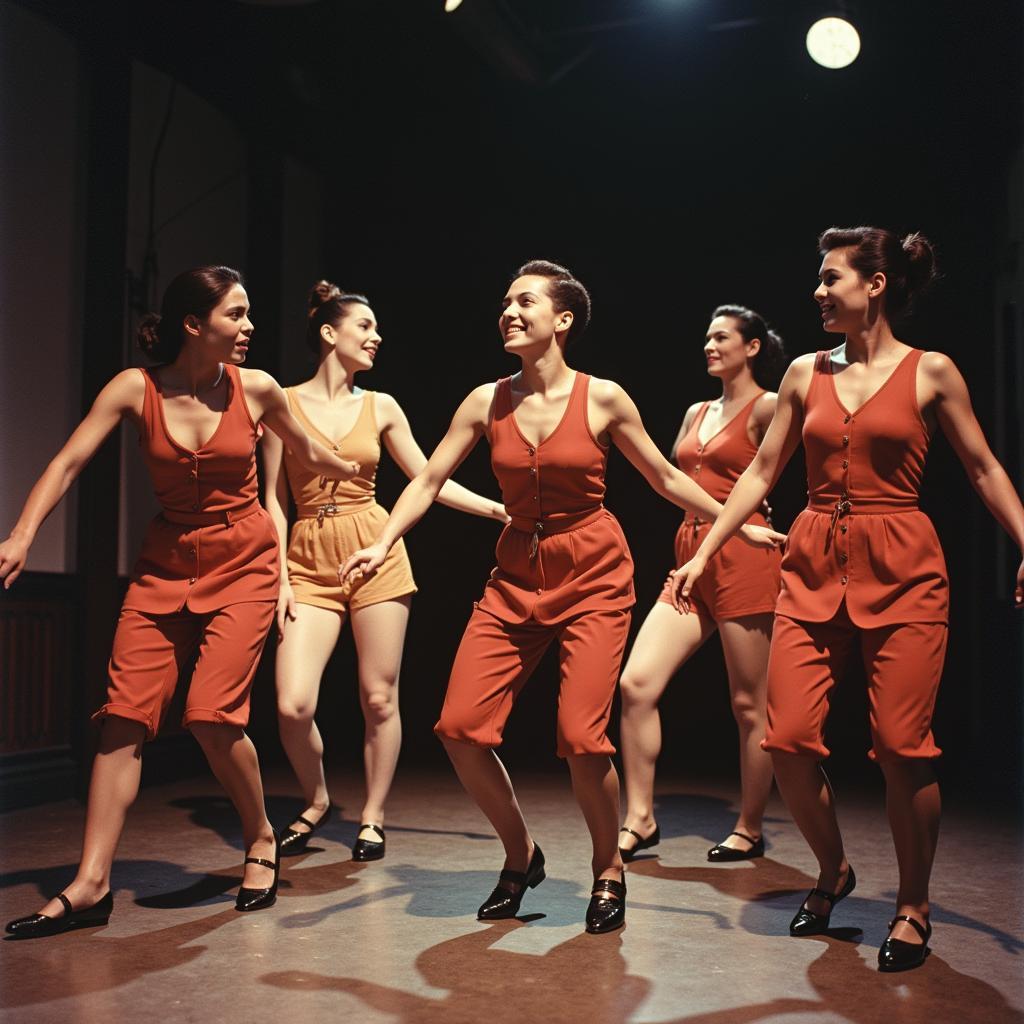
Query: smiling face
x,y
354,338
843,296
726,350
224,333
528,315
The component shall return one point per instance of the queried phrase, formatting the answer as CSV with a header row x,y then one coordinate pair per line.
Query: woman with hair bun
x,y
737,595
564,575
335,517
863,570
206,579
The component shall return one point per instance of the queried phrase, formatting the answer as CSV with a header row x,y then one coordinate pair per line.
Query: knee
x,y
118,733
379,706
216,737
749,714
294,712
636,692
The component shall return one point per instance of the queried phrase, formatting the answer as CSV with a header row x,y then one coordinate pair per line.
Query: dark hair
x,y
908,263
566,293
195,292
770,362
328,304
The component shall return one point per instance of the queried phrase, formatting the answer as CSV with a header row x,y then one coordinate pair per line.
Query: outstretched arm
x,y
402,446
121,397
952,404
267,400
780,441
466,427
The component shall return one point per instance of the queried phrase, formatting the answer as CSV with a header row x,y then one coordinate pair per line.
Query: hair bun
x,y
148,334
321,292
921,270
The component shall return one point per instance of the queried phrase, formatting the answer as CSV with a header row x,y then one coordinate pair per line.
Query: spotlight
x,y
451,5
833,42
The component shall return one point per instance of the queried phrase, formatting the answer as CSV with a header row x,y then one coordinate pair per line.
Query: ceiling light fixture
x,y
833,42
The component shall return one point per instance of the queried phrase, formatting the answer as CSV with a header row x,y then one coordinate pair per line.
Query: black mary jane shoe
x,y
504,903
260,899
38,926
293,842
642,843
720,852
897,955
607,910
367,849
807,922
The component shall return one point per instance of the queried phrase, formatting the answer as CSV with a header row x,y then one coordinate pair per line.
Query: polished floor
x,y
396,940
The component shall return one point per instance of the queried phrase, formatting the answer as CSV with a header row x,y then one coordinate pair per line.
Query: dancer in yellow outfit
x,y
336,518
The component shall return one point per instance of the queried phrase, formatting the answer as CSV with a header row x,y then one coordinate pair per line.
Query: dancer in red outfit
x,y
736,596
564,573
863,567
206,578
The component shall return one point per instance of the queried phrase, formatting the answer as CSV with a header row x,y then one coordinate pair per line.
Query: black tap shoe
x,y
720,853
807,922
606,914
367,849
502,902
641,843
260,899
897,955
293,842
38,926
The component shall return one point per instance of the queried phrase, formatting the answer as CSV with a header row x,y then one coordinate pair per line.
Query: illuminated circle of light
x,y
451,5
833,42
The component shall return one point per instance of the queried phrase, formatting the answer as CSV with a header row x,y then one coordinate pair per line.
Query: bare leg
x,y
808,795
745,643
596,786
233,760
379,632
484,777
302,656
665,641
914,807
112,790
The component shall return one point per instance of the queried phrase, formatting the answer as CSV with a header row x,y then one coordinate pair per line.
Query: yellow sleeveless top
x,y
361,444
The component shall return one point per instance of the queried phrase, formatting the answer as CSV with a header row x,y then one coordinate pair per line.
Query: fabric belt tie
x,y
544,527
320,512
225,518
844,506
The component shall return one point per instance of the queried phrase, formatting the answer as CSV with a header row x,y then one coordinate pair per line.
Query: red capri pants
x,y
151,651
903,664
495,659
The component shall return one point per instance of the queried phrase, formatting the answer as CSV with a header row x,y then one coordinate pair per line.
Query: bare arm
x,y
402,446
122,396
466,427
952,404
275,501
780,441
268,403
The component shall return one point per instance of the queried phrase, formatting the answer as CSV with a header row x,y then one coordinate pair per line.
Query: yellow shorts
x,y
319,546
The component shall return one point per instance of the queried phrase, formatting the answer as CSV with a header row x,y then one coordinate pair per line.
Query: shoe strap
x,y
376,828
299,819
831,897
260,860
632,832
749,839
609,885
925,933
66,902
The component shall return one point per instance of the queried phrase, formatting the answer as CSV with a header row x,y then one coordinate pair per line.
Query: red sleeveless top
x,y
563,553
862,537
213,544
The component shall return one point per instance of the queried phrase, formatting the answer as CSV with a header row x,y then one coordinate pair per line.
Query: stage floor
x,y
397,940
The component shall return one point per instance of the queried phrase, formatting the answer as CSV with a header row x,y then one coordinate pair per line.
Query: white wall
x,y
41,246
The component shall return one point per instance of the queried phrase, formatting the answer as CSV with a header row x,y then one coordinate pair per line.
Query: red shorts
x,y
903,664
495,659
151,651
740,580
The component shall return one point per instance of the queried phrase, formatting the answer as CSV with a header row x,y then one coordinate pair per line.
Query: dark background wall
x,y
676,156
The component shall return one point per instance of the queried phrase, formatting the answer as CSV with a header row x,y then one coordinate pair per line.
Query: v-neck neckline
x,y
220,422
558,426
722,429
344,437
881,387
